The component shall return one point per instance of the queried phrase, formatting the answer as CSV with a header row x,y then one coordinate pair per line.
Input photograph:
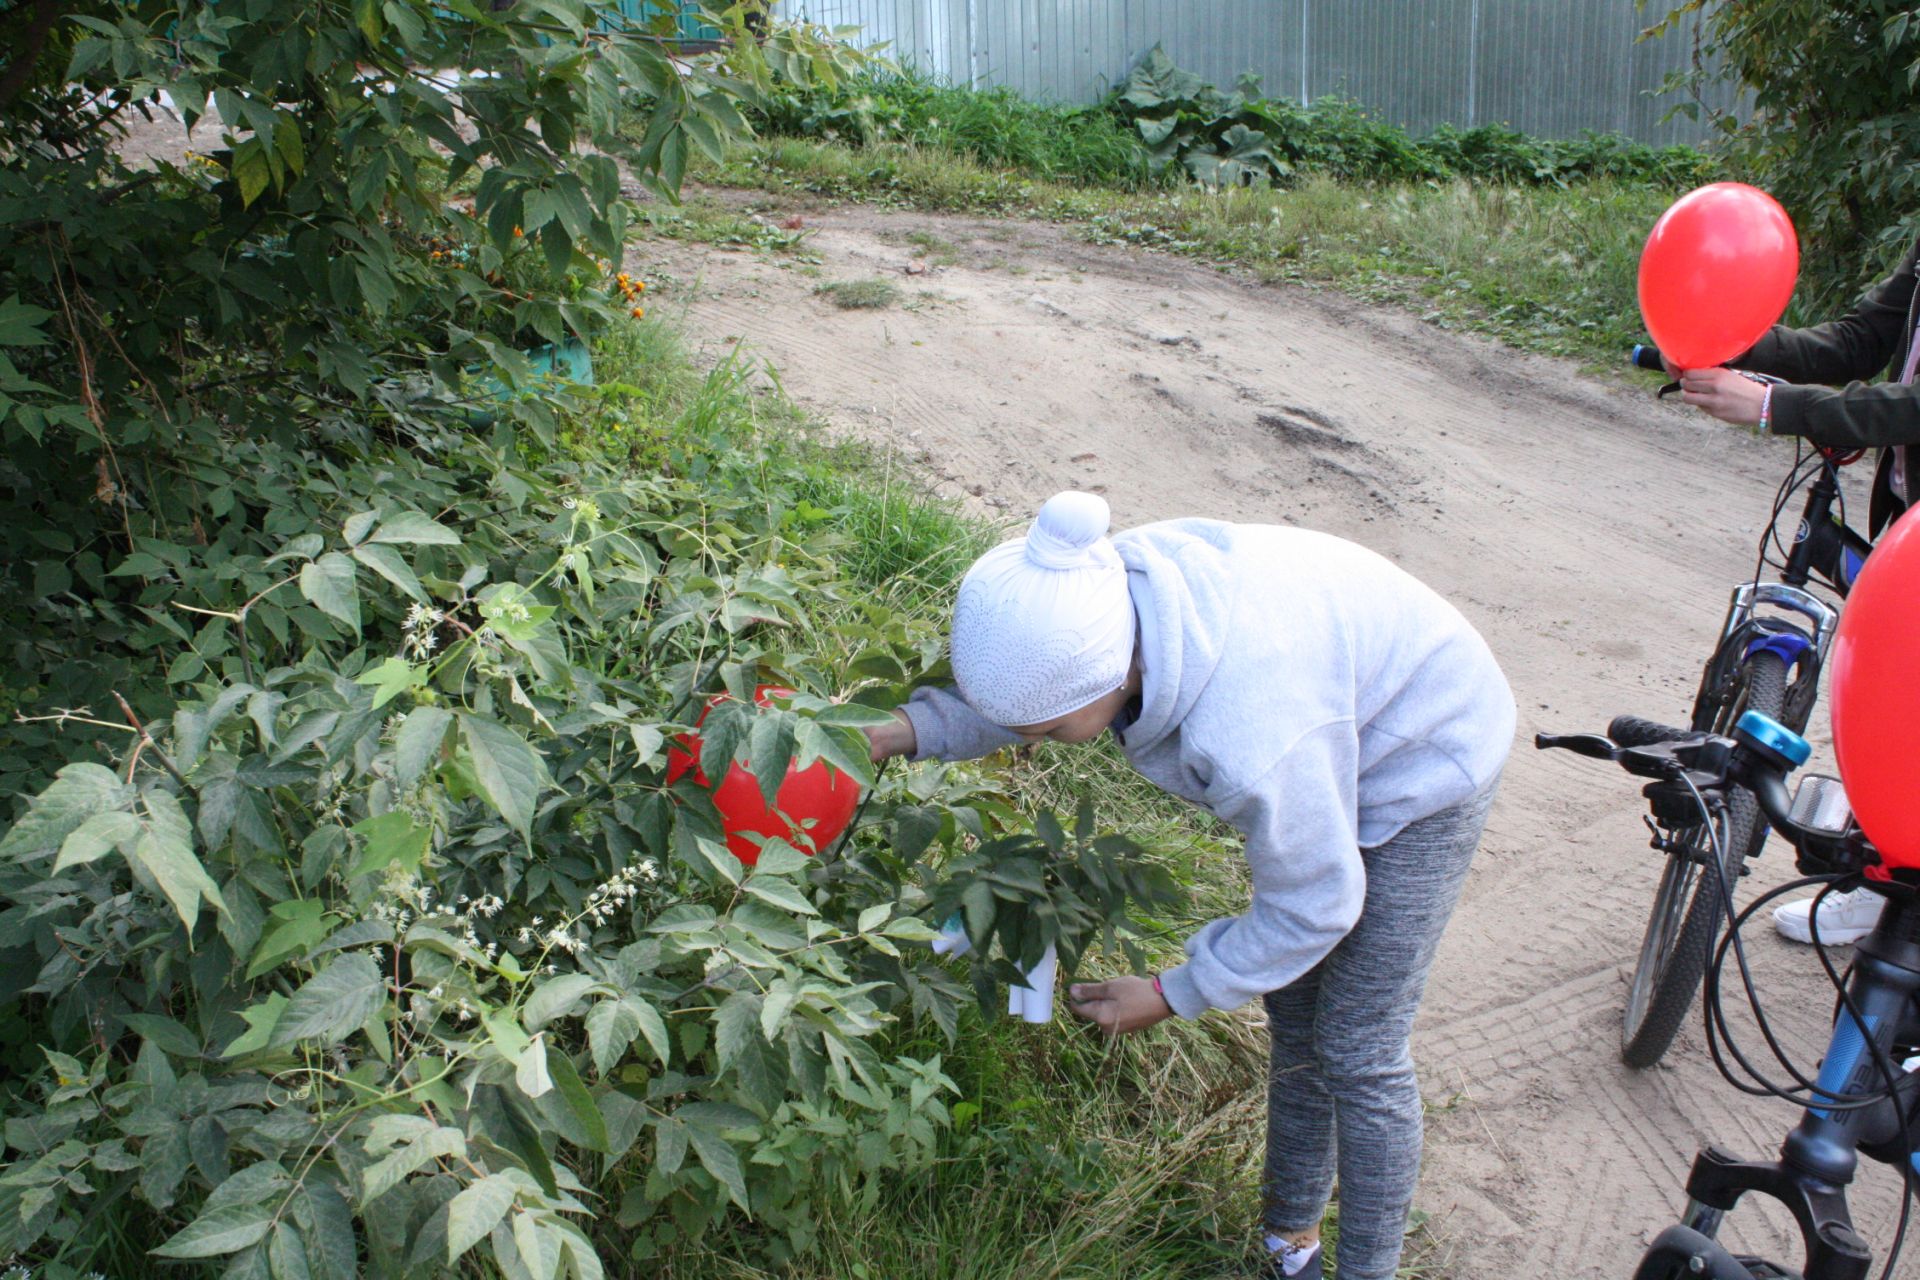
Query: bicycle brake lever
x,y
1586,744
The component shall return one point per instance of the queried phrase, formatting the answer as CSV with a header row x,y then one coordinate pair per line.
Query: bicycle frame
x,y
1821,1154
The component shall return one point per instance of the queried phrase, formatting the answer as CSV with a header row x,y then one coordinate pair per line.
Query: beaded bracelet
x,y
1766,407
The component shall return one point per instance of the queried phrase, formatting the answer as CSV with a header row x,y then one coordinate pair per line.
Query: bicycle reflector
x,y
1875,661
1821,805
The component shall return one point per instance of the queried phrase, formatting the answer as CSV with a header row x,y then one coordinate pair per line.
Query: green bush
x,y
394,939
994,126
349,922
1163,121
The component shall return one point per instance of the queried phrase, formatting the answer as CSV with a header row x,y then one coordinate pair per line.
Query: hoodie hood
x,y
1181,584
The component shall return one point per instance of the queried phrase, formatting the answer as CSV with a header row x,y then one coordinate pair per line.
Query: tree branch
x,y
32,42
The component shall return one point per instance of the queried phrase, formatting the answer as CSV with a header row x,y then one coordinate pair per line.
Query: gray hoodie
x,y
1308,693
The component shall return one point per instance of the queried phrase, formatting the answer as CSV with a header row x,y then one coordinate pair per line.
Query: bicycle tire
x,y
1688,906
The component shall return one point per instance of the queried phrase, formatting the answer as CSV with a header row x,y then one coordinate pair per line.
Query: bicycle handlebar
x,y
1646,356
1709,763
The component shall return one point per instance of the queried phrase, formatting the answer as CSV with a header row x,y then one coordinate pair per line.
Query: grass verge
x,y
1544,268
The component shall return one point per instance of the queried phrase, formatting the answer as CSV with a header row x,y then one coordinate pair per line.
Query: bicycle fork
x,y
1821,1154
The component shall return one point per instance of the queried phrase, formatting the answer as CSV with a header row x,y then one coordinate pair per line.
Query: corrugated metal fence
x,y
1546,67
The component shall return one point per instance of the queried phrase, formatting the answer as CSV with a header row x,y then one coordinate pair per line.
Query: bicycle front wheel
x,y
1689,905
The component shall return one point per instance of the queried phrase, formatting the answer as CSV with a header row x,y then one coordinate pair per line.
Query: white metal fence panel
x,y
1547,67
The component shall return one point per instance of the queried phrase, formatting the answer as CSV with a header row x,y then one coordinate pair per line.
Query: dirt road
x,y
1590,533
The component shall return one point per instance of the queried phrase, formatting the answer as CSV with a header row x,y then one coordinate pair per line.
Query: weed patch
x,y
860,295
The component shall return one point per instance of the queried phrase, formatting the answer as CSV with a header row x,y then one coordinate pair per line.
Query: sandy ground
x,y
1589,532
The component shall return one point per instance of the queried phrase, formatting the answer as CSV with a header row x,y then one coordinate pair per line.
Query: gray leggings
x,y
1342,1066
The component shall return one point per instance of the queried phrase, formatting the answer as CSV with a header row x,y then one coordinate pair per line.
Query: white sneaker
x,y
1844,917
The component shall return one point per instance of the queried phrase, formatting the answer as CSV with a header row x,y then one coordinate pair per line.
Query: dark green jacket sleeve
x,y
1847,412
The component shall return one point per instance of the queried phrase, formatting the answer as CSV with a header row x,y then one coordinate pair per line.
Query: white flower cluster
x,y
421,626
621,889
407,899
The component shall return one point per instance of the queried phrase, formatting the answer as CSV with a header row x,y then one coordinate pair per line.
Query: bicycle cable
x,y
1714,1010
1805,466
1804,1092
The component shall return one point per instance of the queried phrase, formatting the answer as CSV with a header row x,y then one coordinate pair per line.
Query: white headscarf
x,y
1044,624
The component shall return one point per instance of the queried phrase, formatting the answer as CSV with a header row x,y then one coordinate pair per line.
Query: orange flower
x,y
639,312
518,232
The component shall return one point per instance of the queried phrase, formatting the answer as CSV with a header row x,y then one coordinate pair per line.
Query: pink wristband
x,y
1156,987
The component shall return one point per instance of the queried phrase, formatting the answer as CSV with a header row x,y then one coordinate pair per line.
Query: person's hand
x,y
1119,1005
897,739
1725,394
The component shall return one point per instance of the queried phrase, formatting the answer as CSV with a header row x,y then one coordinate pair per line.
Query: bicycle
x,y
1764,662
1862,1102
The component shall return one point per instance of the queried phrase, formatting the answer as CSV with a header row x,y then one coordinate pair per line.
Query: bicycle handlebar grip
x,y
1632,731
1645,356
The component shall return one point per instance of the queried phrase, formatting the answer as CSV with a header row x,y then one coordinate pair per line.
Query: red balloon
x,y
810,810
1876,696
1717,272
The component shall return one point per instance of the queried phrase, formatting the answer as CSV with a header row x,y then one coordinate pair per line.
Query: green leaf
x,y
554,998
437,1142
418,742
390,565
287,1253
166,1034
165,850
653,1027
507,768
391,678
366,16
611,1027
720,1159
96,837
296,925
333,1004
331,1247
367,187
736,1026
261,1020
781,893
574,1092
473,1214
222,1231
77,792
251,170
390,838
329,584
530,1068
20,323
713,854
410,527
